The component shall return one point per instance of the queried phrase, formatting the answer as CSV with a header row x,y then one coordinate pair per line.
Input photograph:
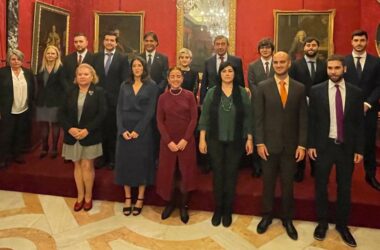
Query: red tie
x,y
221,59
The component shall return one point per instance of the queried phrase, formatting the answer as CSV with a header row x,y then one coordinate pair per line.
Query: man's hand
x,y
262,151
312,152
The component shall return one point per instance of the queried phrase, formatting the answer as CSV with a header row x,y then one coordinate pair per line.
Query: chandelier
x,y
187,5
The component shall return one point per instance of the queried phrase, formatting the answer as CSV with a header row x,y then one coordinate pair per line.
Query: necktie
x,y
108,62
221,59
359,67
79,59
312,70
267,68
339,113
149,60
283,93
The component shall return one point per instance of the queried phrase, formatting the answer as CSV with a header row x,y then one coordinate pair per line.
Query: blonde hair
x,y
95,78
58,61
185,51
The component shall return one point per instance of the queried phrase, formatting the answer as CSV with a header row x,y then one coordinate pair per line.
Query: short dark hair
x,y
310,39
337,57
79,34
111,33
359,32
218,37
152,34
265,42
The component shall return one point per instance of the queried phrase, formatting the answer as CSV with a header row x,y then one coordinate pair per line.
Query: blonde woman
x,y
190,76
81,117
50,89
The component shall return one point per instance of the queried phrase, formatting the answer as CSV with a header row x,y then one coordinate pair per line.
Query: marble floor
x,y
32,221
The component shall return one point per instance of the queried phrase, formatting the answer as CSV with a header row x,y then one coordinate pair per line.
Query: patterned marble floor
x,y
32,221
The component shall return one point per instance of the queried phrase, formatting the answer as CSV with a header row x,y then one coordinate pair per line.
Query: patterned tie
x,y
267,68
359,67
108,62
283,93
339,114
312,70
221,59
79,59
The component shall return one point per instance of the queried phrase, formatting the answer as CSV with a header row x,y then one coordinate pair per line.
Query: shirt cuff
x,y
368,105
259,145
300,147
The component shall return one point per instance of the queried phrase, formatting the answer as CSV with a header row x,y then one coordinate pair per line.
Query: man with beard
x,y
309,70
363,70
81,55
335,136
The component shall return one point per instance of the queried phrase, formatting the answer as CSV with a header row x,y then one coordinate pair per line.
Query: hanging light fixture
x,y
187,5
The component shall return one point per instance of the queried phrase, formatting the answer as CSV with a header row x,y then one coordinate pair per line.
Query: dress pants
x,y
344,163
282,164
370,142
109,135
224,159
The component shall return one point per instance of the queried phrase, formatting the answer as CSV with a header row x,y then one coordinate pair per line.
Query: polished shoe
x,y
371,180
19,159
111,165
54,154
320,231
263,225
43,154
216,218
87,205
184,214
290,229
298,177
167,211
137,210
100,163
227,219
346,236
127,210
257,172
78,205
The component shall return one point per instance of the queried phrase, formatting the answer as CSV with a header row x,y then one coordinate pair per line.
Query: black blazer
x,y
159,69
51,95
299,71
117,73
319,118
210,74
93,114
6,90
277,127
370,80
70,65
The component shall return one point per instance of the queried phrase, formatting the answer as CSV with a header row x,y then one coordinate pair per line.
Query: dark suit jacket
x,y
70,65
319,118
117,73
159,69
93,114
277,127
6,90
300,72
50,95
210,74
370,80
256,72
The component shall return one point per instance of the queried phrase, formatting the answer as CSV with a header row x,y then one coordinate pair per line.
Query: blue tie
x,y
108,62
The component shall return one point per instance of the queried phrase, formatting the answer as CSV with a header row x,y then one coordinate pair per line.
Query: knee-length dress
x,y
176,120
135,161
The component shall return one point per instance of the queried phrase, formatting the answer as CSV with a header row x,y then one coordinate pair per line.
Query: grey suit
x,y
282,130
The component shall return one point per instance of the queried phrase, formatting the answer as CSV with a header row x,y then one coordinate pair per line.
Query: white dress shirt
x,y
106,57
20,93
153,53
218,61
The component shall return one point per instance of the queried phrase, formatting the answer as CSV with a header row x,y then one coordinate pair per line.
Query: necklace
x,y
175,90
226,106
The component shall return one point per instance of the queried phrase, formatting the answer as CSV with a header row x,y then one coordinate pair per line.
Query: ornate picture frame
x,y
50,27
130,26
377,41
291,27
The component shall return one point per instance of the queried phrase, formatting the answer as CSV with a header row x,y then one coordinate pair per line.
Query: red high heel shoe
x,y
78,205
87,205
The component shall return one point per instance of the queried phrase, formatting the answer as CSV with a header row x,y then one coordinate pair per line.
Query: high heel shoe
x,y
127,210
137,210
87,205
184,214
78,205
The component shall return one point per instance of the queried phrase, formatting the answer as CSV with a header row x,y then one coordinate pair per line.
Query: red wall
x,y
2,32
254,20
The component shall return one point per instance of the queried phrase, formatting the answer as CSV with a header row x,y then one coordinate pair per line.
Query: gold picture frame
x,y
129,23
50,27
291,27
377,41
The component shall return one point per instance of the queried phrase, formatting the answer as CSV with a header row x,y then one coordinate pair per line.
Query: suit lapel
x,y
306,69
347,103
325,98
87,101
277,96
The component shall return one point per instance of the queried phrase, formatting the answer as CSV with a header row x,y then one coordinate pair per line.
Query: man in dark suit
x,y
363,70
112,69
280,131
335,136
81,55
309,70
210,72
157,63
259,70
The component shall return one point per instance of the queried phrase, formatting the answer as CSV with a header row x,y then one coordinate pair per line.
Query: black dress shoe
x,y
263,225
227,219
184,214
257,172
371,180
290,229
111,165
298,177
320,231
216,218
100,163
167,211
346,236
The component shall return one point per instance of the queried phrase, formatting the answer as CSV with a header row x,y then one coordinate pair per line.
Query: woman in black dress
x,y
135,161
190,76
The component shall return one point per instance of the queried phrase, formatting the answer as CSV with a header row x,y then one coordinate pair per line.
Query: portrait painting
x,y
292,27
50,27
128,26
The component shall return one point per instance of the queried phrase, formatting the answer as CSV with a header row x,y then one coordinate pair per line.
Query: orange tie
x,y
283,93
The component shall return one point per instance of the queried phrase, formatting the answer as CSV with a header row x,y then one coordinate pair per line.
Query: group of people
x,y
129,114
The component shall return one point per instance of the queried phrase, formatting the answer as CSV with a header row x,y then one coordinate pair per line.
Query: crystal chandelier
x,y
187,5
